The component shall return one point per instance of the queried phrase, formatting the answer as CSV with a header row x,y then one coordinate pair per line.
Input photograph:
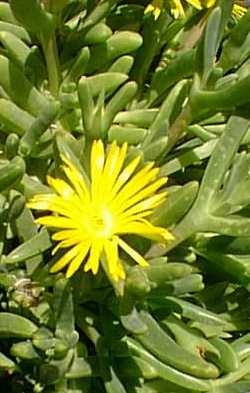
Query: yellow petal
x,y
122,220
238,11
94,258
154,7
67,234
76,179
120,271
35,204
55,204
56,222
113,165
55,249
147,204
176,9
61,187
146,229
134,254
68,238
77,261
112,256
97,164
196,3
137,183
146,192
125,175
149,8
72,241
66,258
210,3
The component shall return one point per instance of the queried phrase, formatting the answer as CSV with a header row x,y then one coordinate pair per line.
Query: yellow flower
x,y
238,11
177,9
155,8
92,218
176,6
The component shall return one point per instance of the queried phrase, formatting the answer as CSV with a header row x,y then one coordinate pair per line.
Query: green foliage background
x,y
178,91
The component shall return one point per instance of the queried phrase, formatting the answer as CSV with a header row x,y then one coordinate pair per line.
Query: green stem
x,y
232,225
221,159
177,128
233,376
52,62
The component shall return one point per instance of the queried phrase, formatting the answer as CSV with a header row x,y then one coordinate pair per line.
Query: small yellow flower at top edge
x,y
155,8
177,9
176,6
238,11
91,220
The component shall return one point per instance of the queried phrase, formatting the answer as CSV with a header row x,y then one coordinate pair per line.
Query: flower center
x,y
102,223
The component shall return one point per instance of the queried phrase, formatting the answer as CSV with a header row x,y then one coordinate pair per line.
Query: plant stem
x,y
233,376
177,128
51,57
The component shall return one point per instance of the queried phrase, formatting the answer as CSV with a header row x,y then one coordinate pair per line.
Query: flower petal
x,y
144,193
196,3
155,8
134,254
61,187
112,256
210,3
238,11
97,164
67,234
113,165
147,204
65,259
146,229
176,9
71,241
56,204
76,179
125,175
56,222
136,184
94,258
78,260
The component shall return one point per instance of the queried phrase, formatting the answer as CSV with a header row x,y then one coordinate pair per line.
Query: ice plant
x,y
92,219
177,9
176,6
